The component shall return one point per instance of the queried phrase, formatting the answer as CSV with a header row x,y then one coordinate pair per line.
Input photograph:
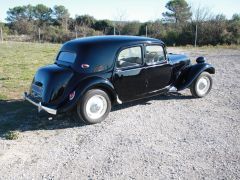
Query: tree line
x,y
181,25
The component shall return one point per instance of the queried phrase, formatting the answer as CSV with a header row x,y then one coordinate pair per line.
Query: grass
x,y
19,62
12,135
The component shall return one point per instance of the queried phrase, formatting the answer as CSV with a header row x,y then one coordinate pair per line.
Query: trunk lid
x,y
50,82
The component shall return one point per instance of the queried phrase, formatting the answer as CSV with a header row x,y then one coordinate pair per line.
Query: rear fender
x,y
190,73
87,84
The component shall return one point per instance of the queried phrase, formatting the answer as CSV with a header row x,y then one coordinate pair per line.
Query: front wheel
x,y
202,85
94,106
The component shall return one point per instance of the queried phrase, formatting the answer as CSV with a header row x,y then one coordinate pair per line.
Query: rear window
x,y
68,57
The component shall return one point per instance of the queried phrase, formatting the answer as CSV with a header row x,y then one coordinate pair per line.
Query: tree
x,y
84,25
179,11
154,29
233,29
236,17
21,19
61,16
119,21
19,13
85,20
201,14
43,14
103,25
131,28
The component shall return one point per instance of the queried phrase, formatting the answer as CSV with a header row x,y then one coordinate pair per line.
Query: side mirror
x,y
201,59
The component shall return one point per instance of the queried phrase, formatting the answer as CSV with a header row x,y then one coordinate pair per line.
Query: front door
x,y
158,70
129,77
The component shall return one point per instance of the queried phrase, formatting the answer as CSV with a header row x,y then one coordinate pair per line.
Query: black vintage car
x,y
92,74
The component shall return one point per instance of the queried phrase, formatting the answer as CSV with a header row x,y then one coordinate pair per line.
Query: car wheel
x,y
94,107
202,85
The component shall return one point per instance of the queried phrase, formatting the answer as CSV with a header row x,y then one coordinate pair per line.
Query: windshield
x,y
68,57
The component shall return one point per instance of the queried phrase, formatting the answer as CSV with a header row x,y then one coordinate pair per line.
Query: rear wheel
x,y
94,106
202,85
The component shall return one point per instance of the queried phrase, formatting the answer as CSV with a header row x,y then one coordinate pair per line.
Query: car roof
x,y
112,39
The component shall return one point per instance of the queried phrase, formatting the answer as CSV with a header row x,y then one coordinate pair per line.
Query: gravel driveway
x,y
166,137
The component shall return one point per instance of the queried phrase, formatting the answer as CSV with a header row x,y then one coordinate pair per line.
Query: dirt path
x,y
164,137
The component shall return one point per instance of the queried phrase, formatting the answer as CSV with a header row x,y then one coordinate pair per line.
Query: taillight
x,y
71,95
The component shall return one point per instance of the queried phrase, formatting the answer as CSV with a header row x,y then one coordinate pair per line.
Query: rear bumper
x,y
39,105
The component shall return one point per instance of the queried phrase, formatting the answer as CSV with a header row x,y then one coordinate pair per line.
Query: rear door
x,y
129,77
158,70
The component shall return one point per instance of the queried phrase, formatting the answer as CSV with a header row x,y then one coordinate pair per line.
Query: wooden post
x,y
146,31
195,43
66,25
1,33
75,32
39,35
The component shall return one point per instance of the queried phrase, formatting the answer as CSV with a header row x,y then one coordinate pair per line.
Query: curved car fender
x,y
89,83
95,82
190,73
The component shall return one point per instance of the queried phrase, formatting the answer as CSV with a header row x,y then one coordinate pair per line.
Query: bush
x,y
12,135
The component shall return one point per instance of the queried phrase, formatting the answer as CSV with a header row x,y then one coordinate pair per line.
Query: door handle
x,y
146,83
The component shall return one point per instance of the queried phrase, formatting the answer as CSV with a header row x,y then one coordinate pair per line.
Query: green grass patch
x,y
18,64
3,97
11,135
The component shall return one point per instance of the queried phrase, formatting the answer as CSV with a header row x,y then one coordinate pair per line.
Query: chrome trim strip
x,y
118,100
39,105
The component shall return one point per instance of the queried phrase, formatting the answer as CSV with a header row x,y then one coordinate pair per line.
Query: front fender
x,y
190,73
85,85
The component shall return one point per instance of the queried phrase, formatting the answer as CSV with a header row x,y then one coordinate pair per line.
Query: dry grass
x,y
18,63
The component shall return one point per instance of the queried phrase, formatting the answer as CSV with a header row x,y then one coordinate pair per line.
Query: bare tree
x,y
201,13
119,20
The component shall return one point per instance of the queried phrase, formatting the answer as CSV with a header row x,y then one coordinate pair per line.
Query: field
x,y
171,136
18,63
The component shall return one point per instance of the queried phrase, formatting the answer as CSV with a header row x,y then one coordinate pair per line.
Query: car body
x,y
100,71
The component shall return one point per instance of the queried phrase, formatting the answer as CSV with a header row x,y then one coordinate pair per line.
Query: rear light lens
x,y
72,95
85,66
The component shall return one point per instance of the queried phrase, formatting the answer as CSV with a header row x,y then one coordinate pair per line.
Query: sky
x,y
128,10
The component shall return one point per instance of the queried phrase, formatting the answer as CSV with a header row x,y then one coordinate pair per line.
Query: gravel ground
x,y
165,137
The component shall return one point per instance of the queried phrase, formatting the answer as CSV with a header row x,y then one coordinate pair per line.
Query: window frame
x,y
156,63
134,66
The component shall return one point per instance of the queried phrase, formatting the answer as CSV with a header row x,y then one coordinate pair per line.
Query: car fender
x,y
95,82
190,73
87,84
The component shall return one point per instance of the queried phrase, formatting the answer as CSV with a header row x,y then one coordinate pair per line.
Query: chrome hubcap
x,y
203,86
96,106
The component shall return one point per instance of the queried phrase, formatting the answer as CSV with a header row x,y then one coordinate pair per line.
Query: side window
x,y
130,57
154,54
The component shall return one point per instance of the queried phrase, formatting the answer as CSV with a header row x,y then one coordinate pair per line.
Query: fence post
x,y
39,35
146,31
1,33
195,43
76,32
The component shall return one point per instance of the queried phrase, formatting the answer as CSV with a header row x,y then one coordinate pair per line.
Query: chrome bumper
x,y
39,105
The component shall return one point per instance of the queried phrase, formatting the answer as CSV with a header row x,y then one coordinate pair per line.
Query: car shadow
x,y
19,115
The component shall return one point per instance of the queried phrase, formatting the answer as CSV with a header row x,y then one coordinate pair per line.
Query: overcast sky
x,y
141,10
